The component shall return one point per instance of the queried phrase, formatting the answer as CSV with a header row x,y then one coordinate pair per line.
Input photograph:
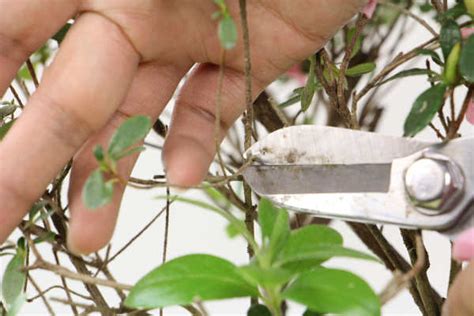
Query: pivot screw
x,y
434,183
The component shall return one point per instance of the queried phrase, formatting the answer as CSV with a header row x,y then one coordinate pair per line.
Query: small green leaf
x,y
310,88
130,152
61,34
232,230
269,277
99,153
128,134
424,109
14,279
458,10
16,306
38,206
451,70
7,109
334,291
258,310
267,214
275,227
305,240
186,279
227,31
409,73
358,43
360,69
309,246
434,56
96,192
449,36
47,236
5,128
466,63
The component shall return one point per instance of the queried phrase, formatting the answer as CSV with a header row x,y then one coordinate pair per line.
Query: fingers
x,y
151,90
460,297
24,26
463,249
190,145
84,86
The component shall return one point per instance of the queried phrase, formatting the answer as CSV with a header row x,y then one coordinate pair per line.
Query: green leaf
x,y
5,128
466,63
449,36
358,43
310,88
96,192
409,73
267,214
227,31
275,227
453,13
99,153
47,236
258,310
186,279
451,70
309,246
307,239
129,133
7,109
61,34
15,307
269,277
130,152
311,313
360,69
424,109
334,291
14,279
434,56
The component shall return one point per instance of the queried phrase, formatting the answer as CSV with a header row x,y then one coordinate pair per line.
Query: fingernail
x,y
73,249
463,248
177,190
445,309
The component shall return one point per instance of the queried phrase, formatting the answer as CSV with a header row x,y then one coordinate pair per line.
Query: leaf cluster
x,y
287,266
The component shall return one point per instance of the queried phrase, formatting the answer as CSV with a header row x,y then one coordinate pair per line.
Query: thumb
x,y
463,249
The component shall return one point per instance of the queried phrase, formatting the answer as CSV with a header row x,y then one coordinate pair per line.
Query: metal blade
x,y
299,179
309,145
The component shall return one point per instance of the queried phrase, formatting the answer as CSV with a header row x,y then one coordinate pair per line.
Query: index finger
x,y
20,36
85,85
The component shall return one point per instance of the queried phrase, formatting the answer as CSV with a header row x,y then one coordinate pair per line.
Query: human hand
x,y
122,58
460,300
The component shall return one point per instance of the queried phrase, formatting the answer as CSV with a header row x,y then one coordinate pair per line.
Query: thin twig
x,y
61,271
144,229
401,281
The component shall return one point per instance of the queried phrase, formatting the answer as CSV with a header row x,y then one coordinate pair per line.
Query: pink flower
x,y
369,9
470,112
467,31
297,74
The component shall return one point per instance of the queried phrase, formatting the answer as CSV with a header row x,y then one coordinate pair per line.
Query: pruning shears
x,y
367,177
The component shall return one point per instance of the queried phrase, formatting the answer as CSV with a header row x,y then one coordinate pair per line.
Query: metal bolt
x,y
434,183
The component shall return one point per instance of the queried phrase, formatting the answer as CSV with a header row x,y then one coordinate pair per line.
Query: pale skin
x,y
123,58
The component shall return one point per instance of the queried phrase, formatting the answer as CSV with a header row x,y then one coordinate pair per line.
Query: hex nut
x,y
434,183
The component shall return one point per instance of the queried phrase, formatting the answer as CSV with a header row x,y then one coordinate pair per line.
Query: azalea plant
x,y
288,259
